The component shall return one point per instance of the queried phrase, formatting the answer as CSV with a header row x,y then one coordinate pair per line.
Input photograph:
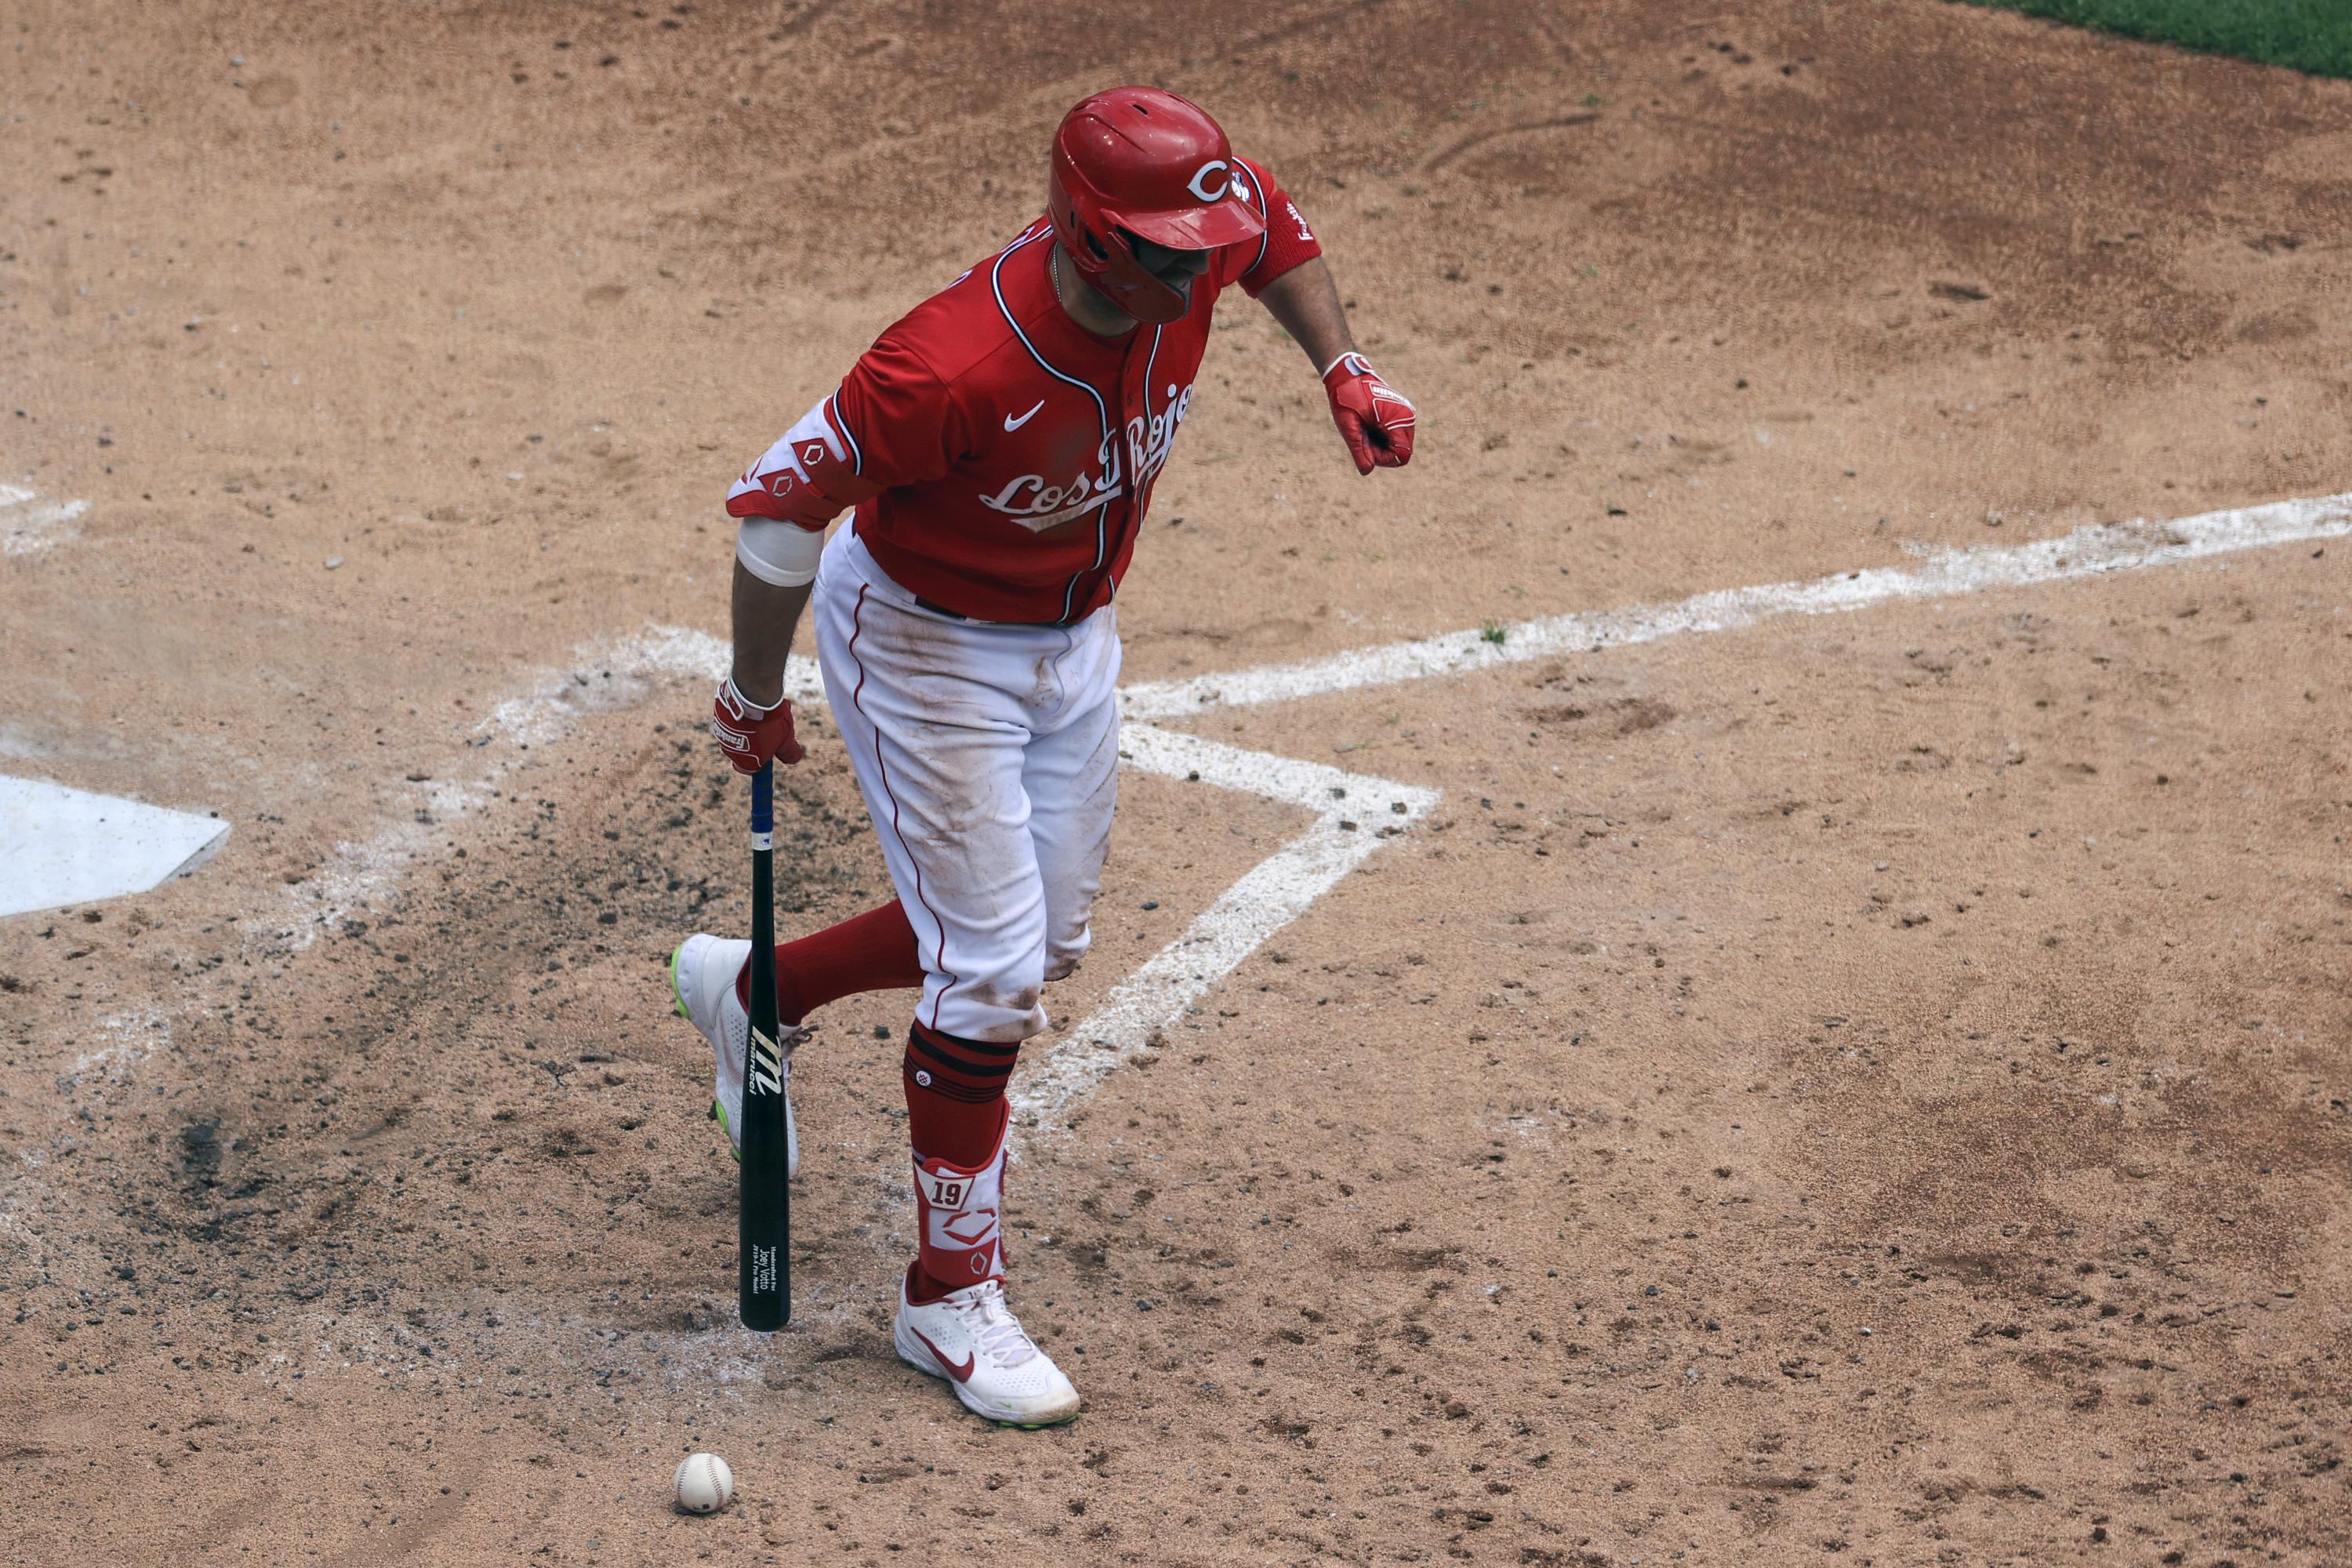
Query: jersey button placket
x,y
1133,367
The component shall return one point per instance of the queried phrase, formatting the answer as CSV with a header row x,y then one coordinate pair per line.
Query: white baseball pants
x,y
987,754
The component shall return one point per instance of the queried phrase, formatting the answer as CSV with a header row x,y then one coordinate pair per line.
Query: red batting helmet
x,y
1136,161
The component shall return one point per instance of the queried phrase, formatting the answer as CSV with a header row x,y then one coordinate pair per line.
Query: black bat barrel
x,y
765,1282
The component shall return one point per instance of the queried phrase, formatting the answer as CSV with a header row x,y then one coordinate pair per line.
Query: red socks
x,y
955,1095
872,952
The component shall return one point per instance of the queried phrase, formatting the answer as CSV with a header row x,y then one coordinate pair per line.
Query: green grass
x,y
2313,35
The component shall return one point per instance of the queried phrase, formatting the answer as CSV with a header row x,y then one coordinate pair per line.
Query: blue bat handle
x,y
763,805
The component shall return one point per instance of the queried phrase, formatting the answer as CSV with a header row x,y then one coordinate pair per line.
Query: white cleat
x,y
702,980
970,1338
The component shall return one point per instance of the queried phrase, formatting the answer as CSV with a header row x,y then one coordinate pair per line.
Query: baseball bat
x,y
764,1224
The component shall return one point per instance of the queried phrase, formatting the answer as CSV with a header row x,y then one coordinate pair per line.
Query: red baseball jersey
x,y
1000,456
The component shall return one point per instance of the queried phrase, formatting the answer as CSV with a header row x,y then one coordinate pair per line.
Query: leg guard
x,y
957,1209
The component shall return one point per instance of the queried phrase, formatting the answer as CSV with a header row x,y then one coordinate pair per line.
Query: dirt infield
x,y
1869,1088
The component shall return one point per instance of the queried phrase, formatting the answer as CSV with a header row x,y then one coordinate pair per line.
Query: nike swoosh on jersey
x,y
961,1373
1011,424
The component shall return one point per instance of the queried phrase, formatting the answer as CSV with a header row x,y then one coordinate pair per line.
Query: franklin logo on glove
x,y
750,735
1374,418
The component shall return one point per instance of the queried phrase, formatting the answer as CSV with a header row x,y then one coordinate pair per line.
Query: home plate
x,y
60,846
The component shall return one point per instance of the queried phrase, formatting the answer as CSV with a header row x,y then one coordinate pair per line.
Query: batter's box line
x,y
1283,887
2088,551
1354,815
1287,884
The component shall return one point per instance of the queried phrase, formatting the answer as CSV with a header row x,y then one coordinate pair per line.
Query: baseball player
x,y
999,444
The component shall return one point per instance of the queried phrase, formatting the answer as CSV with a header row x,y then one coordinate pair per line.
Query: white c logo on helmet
x,y
1199,183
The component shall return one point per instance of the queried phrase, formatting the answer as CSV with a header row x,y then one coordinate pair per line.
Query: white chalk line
x,y
2085,553
1282,887
1354,815
1287,884
602,676
28,523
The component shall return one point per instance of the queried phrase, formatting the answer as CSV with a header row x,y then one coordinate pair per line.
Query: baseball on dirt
x,y
703,1483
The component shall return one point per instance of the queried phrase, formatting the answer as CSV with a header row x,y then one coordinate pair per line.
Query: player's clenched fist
x,y
750,735
1374,418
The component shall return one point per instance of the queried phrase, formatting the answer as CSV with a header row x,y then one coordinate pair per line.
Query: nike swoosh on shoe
x,y
961,1373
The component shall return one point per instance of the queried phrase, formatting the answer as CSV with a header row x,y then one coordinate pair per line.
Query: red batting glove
x,y
1374,418
750,735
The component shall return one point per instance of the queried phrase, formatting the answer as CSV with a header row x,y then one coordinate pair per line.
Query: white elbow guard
x,y
781,554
